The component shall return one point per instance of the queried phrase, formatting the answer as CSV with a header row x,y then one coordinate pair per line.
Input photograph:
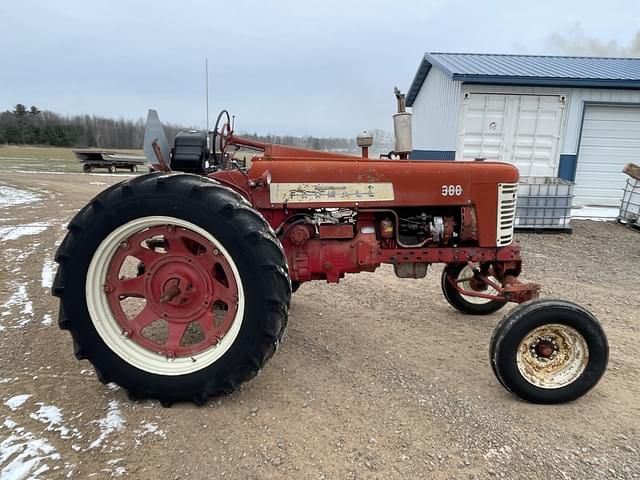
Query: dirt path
x,y
377,377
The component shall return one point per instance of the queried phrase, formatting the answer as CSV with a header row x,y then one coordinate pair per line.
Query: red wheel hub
x,y
545,349
182,281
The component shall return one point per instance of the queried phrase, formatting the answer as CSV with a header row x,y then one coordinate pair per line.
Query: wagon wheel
x,y
549,351
166,264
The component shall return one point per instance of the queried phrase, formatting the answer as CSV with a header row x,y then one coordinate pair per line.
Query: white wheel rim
x,y
563,367
110,331
467,273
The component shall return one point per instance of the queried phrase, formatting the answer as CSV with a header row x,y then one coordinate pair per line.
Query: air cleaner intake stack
x,y
364,141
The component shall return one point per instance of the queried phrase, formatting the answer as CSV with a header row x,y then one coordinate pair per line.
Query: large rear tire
x,y
153,279
549,351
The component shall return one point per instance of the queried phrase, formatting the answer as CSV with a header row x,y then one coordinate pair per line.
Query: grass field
x,y
43,159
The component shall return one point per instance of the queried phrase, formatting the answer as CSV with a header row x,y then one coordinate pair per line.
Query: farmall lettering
x,y
330,192
178,286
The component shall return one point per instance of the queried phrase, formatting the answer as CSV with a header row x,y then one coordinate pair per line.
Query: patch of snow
x,y
16,402
8,423
47,320
19,299
99,184
23,455
33,172
595,213
52,416
111,175
40,171
16,231
148,428
48,273
11,197
119,470
47,414
112,422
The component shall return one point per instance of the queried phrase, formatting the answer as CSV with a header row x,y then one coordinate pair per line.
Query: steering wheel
x,y
225,133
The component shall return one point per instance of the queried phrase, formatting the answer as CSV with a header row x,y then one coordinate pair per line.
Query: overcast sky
x,y
301,67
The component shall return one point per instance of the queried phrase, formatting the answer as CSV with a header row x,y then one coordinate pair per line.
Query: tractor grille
x,y
507,196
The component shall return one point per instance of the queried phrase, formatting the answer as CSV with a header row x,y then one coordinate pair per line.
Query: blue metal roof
x,y
481,68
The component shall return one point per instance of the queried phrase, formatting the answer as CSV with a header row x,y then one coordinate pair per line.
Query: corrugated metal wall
x,y
576,109
435,113
437,108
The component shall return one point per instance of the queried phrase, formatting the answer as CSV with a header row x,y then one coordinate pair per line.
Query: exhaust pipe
x,y
402,127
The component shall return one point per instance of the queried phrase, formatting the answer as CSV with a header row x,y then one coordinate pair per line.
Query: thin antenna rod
x,y
206,87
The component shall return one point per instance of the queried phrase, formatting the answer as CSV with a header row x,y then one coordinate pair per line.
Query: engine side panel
x,y
319,183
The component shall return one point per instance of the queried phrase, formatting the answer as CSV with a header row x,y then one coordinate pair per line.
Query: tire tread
x,y
230,205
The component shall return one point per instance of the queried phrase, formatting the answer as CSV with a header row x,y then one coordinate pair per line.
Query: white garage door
x,y
610,139
520,129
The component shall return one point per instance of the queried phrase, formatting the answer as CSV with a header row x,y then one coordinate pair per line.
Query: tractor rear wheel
x,y
154,279
549,351
466,303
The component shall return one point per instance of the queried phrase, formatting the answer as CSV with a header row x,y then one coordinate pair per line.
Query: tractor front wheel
x,y
154,281
462,274
549,351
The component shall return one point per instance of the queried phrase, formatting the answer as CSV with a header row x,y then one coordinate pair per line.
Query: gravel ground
x,y
377,377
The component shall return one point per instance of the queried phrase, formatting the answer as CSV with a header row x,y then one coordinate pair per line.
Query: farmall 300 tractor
x,y
177,286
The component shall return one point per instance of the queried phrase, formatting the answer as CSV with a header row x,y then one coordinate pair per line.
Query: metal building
x,y
573,117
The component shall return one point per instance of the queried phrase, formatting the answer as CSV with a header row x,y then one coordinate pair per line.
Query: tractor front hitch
x,y
510,288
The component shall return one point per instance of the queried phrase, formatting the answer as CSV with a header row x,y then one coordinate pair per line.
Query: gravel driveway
x,y
378,377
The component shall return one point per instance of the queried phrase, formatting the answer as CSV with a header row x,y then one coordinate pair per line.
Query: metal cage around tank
x,y
630,205
544,203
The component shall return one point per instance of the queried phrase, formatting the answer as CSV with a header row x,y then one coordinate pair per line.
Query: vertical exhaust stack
x,y
402,127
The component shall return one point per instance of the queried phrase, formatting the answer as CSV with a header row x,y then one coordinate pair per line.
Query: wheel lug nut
x,y
124,245
107,288
216,251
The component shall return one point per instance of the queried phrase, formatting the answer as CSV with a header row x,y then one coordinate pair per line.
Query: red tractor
x,y
177,286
